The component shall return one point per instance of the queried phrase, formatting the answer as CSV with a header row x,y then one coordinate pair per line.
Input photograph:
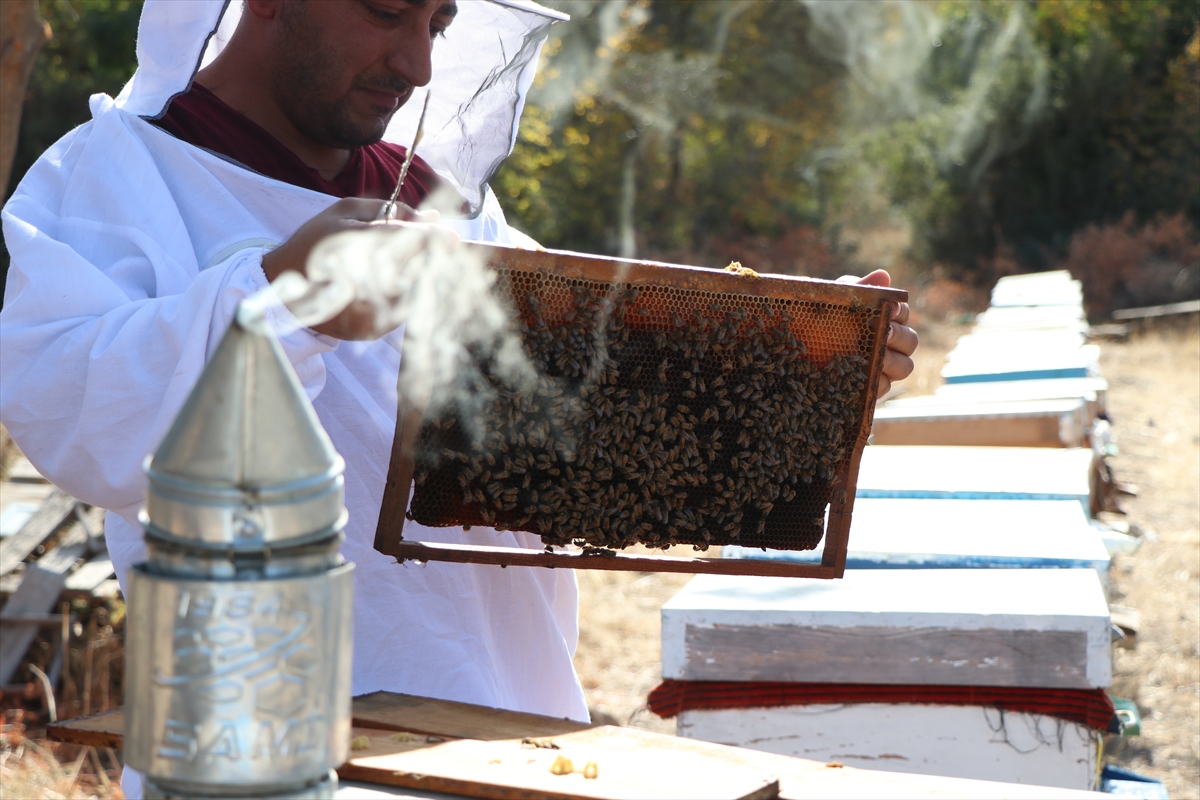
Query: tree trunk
x,y
22,34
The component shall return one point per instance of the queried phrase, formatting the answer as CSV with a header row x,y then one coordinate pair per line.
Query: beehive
x,y
671,406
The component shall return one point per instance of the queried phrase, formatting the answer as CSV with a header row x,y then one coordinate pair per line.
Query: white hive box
x,y
977,473
984,339
1021,318
951,741
1023,423
1004,363
1094,391
1055,288
1004,628
963,534
1045,628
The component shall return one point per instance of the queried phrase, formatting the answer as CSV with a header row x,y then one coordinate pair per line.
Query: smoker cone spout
x,y
239,621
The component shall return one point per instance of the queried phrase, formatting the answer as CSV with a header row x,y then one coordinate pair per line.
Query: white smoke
x,y
416,276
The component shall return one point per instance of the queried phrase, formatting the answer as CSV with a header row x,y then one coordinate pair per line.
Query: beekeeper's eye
x,y
388,13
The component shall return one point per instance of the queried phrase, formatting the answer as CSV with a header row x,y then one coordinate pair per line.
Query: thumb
x,y
879,277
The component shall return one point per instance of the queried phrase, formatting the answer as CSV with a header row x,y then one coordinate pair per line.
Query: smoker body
x,y
240,620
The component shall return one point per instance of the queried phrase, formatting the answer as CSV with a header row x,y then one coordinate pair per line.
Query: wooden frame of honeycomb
x,y
673,406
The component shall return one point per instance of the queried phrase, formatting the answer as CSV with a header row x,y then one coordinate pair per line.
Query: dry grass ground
x,y
1154,399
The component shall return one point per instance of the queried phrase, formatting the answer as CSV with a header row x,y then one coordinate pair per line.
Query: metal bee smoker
x,y
239,627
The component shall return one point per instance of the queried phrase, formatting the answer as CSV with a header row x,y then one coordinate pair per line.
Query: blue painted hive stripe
x,y
1027,375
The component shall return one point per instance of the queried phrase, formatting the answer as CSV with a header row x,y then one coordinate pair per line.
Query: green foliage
x,y
712,107
993,126
711,130
92,50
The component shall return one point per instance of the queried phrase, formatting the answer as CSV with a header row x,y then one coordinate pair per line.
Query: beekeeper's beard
x,y
311,85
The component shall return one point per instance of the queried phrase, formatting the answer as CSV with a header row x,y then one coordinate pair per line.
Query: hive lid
x,y
246,446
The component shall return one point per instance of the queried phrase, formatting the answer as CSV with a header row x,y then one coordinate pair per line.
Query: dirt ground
x,y
1154,400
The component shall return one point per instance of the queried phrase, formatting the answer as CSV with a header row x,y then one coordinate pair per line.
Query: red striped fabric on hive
x,y
1091,707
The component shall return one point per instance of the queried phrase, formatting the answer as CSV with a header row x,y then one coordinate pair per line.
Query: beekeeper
x,y
250,131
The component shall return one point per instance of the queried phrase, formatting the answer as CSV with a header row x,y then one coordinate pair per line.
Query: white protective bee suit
x,y
130,252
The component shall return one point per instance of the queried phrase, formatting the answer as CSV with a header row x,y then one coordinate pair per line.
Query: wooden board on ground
x,y
799,778
45,521
91,575
23,495
1031,423
406,712
629,763
949,627
106,729
21,471
38,593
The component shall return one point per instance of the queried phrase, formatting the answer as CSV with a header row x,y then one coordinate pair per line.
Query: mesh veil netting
x,y
482,71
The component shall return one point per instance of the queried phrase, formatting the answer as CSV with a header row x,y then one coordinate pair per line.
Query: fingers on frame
x,y
897,366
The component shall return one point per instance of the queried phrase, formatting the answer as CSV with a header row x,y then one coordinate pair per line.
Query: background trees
x,y
955,138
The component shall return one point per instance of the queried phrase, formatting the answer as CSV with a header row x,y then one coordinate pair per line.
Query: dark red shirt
x,y
201,118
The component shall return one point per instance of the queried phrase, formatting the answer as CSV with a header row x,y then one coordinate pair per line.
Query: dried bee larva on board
x,y
656,416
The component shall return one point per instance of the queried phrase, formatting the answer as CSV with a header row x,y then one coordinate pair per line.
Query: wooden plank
x,y
1147,312
799,778
40,620
386,711
404,712
944,657
629,764
518,557
21,471
90,575
16,548
106,729
38,593
23,494
108,588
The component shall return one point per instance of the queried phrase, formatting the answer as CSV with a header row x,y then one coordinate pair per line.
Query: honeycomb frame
x,y
836,320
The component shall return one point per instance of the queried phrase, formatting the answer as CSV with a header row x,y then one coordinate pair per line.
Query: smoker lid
x,y
246,462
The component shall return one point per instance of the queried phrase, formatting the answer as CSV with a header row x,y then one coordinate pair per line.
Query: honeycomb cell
x,y
658,415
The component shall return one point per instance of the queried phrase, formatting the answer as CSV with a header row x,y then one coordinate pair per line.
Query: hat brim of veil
x,y
482,71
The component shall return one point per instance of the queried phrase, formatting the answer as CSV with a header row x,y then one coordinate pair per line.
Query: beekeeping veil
x,y
482,71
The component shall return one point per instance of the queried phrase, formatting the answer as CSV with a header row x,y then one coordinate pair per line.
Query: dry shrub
x,y
31,768
944,298
93,669
1127,266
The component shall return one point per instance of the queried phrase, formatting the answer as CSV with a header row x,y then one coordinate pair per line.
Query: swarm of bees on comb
x,y
692,423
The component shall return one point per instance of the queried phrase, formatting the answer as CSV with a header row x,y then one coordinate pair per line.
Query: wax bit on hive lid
x,y
246,462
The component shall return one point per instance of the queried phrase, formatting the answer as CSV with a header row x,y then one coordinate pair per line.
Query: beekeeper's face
x,y
341,68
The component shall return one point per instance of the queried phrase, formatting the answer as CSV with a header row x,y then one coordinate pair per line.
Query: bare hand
x,y
357,321
902,340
